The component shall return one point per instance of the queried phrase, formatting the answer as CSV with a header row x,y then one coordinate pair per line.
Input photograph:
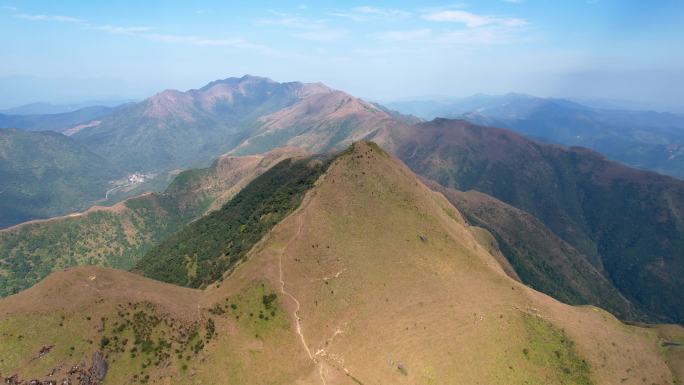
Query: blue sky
x,y
382,50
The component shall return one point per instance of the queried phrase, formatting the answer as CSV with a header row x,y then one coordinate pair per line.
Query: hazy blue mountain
x,y
20,90
643,139
44,108
64,122
442,107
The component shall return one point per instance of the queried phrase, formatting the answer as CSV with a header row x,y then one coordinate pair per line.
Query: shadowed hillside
x,y
541,259
627,222
43,174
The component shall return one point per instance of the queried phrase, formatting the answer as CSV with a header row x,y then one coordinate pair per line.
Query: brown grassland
x,y
379,280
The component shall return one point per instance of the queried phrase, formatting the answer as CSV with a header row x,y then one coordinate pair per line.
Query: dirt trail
x,y
298,324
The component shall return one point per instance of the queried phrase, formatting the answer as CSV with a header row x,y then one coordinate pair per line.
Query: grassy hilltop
x,y
374,278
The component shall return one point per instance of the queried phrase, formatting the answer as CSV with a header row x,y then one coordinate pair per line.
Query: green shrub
x,y
204,250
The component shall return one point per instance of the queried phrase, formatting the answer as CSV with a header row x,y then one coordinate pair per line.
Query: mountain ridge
x,y
594,204
330,296
221,116
643,139
544,261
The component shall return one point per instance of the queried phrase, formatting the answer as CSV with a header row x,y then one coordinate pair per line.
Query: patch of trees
x,y
205,249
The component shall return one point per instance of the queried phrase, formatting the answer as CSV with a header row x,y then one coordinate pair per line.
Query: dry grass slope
x,y
377,280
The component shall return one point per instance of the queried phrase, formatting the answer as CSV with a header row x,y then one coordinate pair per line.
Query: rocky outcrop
x,y
76,375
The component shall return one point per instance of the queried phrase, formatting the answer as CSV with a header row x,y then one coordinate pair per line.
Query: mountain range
x,y
43,108
63,122
177,130
244,115
326,296
615,223
642,139
441,249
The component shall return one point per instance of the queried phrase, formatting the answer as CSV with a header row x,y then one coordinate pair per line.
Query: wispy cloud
x,y
293,21
480,36
203,41
408,35
323,35
461,37
383,12
148,33
366,13
116,30
306,28
61,19
472,20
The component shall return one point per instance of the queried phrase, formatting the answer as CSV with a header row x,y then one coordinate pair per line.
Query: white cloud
x,y
148,34
194,40
61,19
472,20
460,37
391,13
116,30
323,35
366,13
514,1
480,36
408,35
308,29
293,21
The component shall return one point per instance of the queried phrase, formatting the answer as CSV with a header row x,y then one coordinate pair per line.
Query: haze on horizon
x,y
72,51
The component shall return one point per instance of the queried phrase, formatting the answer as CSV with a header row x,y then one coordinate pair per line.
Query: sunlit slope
x,y
145,331
320,122
375,279
386,273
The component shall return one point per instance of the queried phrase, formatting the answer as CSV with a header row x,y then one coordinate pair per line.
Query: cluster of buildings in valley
x,y
137,177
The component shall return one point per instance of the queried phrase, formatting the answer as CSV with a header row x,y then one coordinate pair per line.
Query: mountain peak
x,y
233,81
308,89
169,103
519,95
248,77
